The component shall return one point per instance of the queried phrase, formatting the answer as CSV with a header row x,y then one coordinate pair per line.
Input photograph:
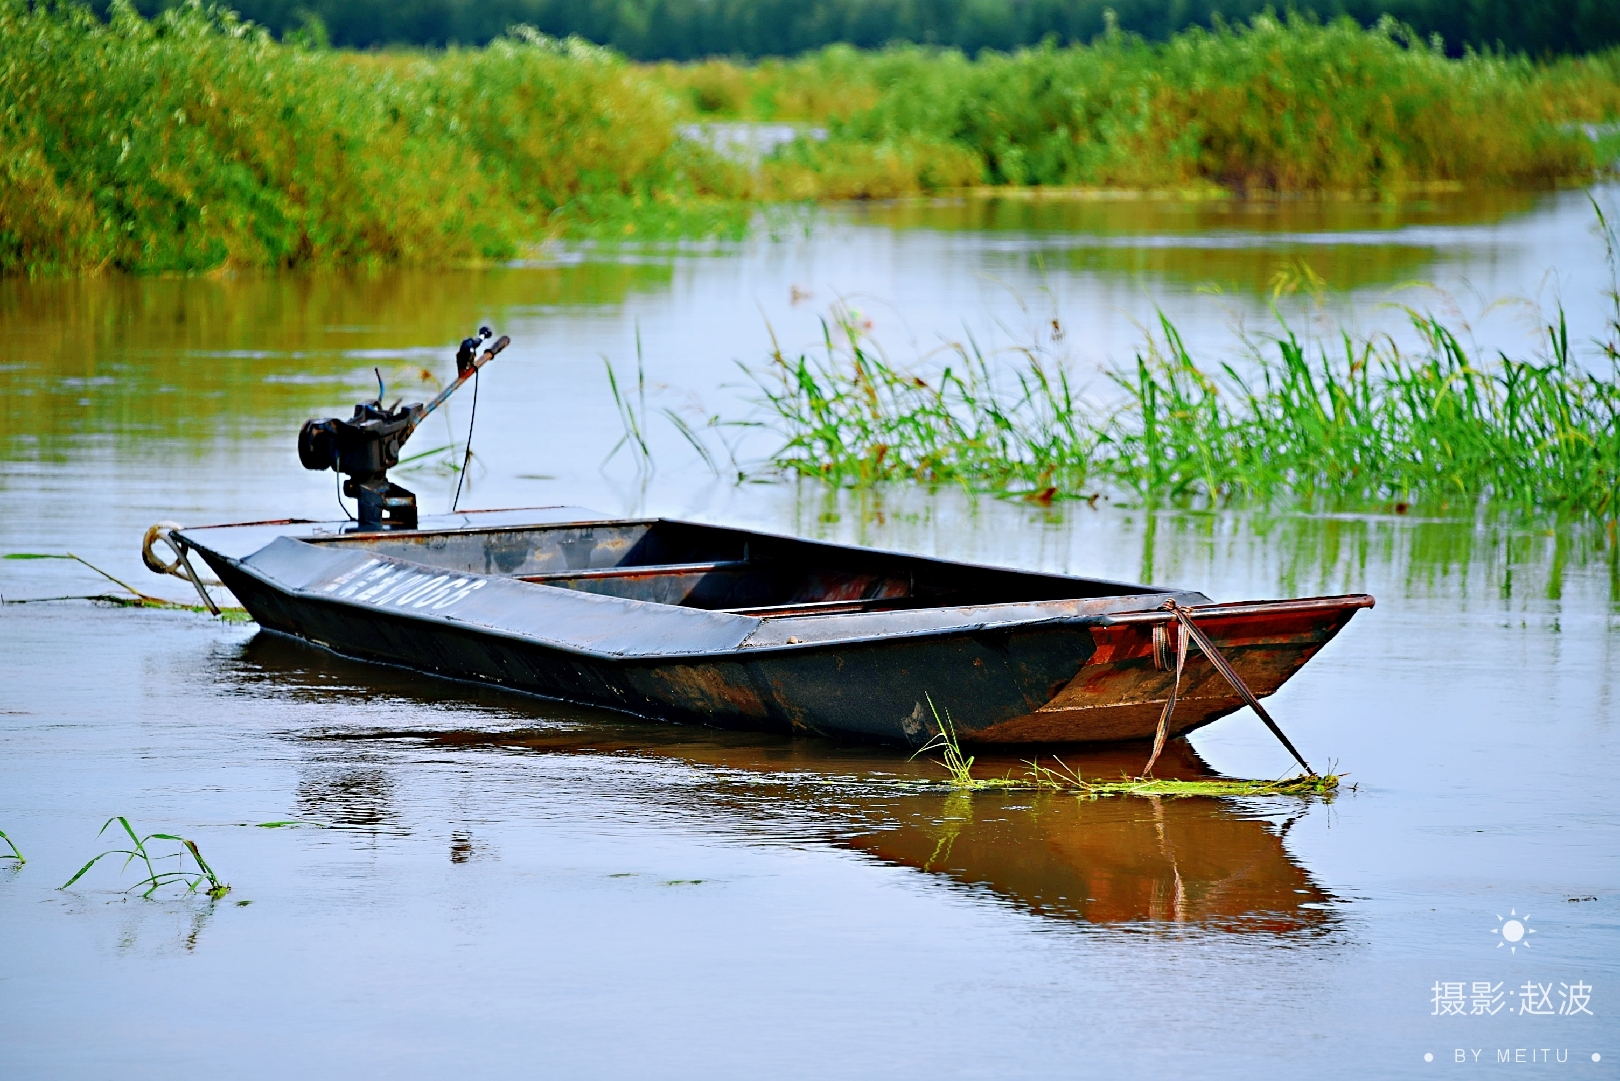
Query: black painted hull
x,y
1077,667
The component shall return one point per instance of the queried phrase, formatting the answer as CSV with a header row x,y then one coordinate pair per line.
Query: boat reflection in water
x,y
1121,860
1128,862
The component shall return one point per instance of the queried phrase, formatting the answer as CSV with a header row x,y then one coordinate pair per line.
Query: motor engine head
x,y
364,445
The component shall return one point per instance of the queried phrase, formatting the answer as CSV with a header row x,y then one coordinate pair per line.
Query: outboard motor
x,y
365,446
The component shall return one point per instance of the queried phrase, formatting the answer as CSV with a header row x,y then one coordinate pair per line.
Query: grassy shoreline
x,y
1268,106
194,142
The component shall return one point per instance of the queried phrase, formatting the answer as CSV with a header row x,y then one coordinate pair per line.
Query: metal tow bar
x,y
1185,628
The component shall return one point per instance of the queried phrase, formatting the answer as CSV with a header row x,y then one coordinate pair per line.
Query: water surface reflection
x,y
1141,862
1212,863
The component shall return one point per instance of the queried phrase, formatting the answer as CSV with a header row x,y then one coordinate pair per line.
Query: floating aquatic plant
x,y
1061,778
15,854
135,599
155,879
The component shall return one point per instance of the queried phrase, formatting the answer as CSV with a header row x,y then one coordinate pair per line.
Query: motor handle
x,y
466,366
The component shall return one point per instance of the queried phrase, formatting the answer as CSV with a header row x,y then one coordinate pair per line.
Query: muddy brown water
x,y
466,880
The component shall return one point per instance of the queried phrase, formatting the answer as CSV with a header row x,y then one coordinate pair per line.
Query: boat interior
x,y
720,569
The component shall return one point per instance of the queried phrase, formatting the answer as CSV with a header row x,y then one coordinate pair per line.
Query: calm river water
x,y
482,884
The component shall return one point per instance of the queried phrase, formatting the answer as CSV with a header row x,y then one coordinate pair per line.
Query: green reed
x,y
15,853
156,879
634,418
1354,423
945,741
850,416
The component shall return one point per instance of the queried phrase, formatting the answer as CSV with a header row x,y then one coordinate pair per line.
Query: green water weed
x,y
15,853
135,599
137,594
1061,778
156,879
631,404
944,740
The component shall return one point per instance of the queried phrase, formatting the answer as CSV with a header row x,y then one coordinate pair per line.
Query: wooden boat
x,y
702,624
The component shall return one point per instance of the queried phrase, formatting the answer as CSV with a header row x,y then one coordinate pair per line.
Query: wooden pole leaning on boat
x,y
1185,628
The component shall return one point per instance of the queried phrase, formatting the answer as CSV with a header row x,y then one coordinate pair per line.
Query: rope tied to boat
x,y
165,533
1186,629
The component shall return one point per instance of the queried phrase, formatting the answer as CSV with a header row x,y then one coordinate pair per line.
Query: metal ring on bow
x,y
163,531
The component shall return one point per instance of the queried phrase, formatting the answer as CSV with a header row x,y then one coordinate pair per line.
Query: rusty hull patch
x,y
712,690
1120,692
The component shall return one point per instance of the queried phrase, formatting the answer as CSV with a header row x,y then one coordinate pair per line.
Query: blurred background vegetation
x,y
1269,106
196,141
695,29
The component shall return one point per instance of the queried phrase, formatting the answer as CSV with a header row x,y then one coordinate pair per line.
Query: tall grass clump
x,y
193,141
1344,425
1367,423
849,416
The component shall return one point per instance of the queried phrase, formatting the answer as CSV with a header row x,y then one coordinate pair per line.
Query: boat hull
x,y
1071,670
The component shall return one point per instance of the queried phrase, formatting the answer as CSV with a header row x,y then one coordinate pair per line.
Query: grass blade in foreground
x,y
156,879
